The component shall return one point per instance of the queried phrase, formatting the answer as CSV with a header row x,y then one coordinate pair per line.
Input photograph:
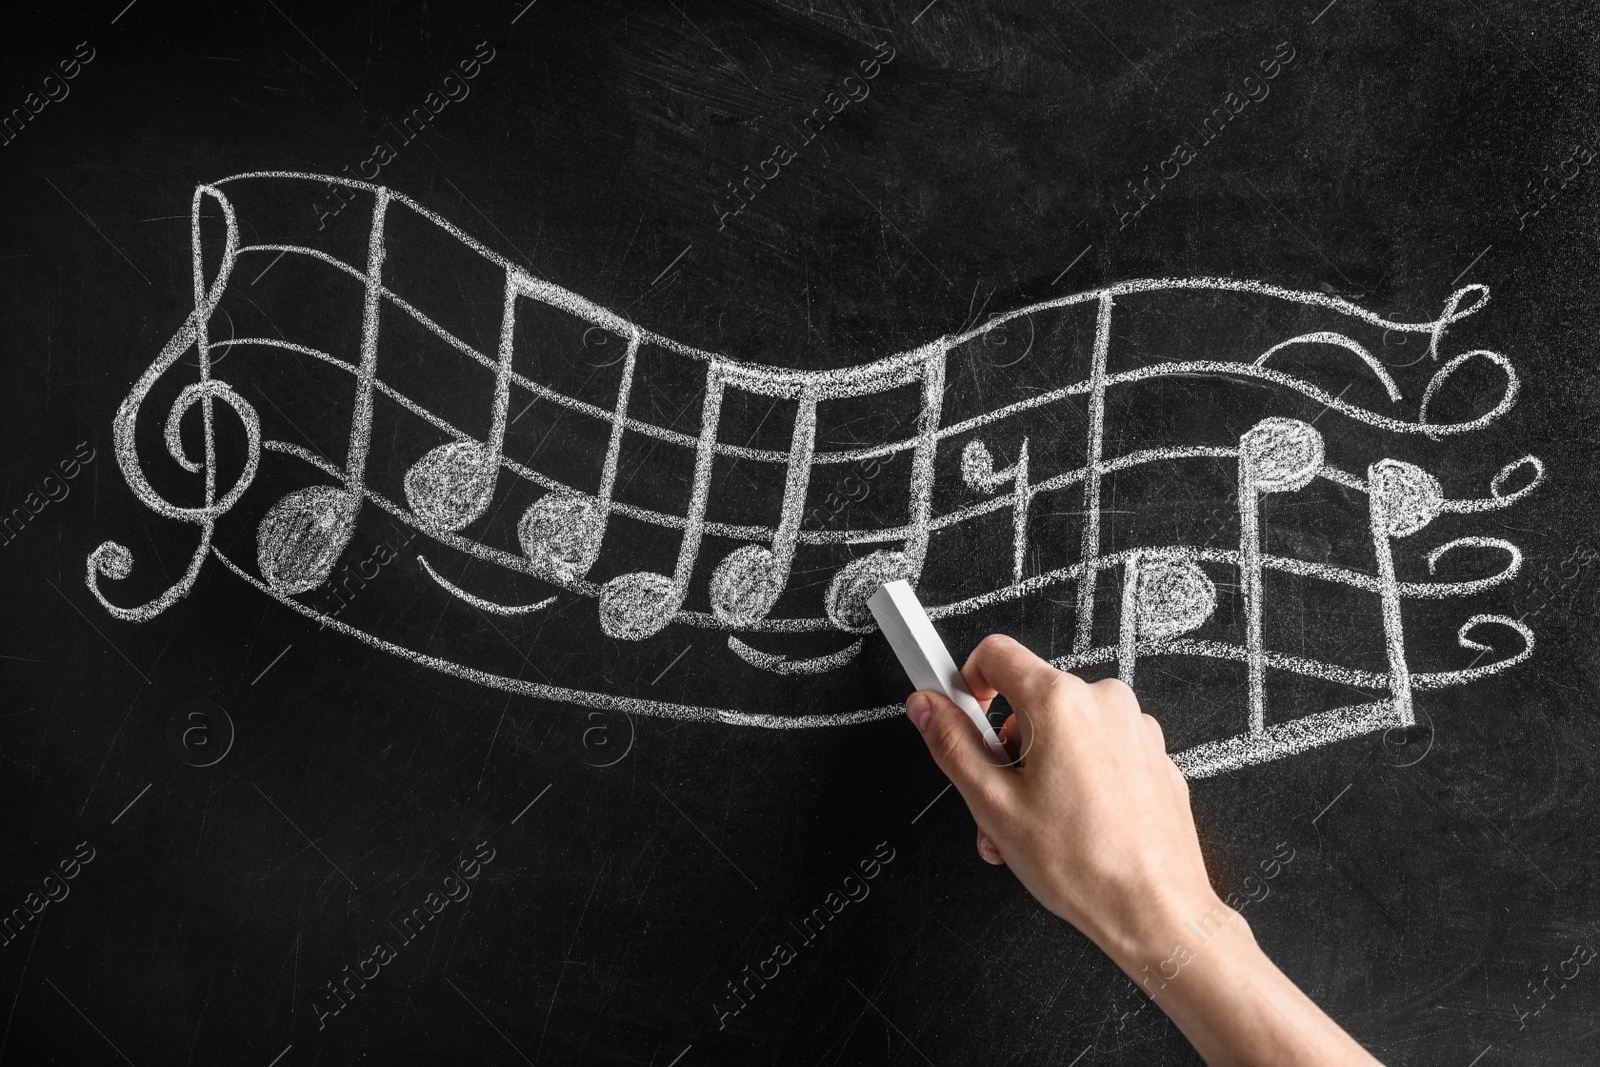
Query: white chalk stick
x,y
923,655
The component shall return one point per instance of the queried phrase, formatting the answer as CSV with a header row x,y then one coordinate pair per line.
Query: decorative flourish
x,y
1169,593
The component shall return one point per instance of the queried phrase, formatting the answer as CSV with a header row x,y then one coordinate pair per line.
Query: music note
x,y
638,605
1162,598
1402,499
451,485
749,580
846,598
978,471
560,533
302,535
1276,455
1165,594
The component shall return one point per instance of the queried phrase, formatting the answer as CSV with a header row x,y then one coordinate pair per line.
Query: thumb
x,y
957,748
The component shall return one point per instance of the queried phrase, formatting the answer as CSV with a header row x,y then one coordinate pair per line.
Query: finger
x,y
987,850
1003,666
1114,693
1153,730
1179,783
959,750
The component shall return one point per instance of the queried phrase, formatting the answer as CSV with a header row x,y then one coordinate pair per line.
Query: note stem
x,y
1250,587
1021,497
705,451
1128,624
802,449
1389,590
366,373
502,377
923,459
1090,553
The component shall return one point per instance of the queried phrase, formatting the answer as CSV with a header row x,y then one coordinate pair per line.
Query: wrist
x,y
1169,936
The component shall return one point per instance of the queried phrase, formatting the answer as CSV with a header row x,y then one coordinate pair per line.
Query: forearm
x,y
1201,965
1094,818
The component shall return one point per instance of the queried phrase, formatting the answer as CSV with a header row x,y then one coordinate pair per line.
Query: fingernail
x,y
918,708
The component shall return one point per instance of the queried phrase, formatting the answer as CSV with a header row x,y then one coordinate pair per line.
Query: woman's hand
x,y
1093,817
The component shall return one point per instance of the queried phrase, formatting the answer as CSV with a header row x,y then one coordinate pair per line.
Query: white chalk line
x,y
663,596
1016,590
1197,762
882,373
478,602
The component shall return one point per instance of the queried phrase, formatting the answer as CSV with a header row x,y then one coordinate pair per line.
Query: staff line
x,y
1165,591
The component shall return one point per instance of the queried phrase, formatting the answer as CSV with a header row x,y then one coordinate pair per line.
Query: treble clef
x,y
112,559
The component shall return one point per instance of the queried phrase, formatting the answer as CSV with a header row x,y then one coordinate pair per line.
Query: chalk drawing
x,y
1168,592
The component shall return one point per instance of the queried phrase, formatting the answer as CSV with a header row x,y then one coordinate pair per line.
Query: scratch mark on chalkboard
x,y
479,1010
1168,590
702,833
302,833
310,42
88,1020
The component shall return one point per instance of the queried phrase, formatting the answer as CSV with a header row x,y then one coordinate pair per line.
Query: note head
x,y
745,585
1173,597
977,467
638,605
301,536
1405,496
452,484
560,533
846,599
1283,454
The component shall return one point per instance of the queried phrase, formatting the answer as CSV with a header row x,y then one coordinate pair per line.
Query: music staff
x,y
1166,590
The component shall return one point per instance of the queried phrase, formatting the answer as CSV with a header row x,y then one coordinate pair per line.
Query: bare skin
x,y
1094,820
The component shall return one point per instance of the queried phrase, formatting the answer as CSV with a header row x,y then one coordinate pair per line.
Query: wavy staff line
x,y
761,533
1037,583
890,367
1436,327
1199,761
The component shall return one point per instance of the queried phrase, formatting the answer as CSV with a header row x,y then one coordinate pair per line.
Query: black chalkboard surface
x,y
448,447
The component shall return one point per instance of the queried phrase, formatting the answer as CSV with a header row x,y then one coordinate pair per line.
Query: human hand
x,y
1093,817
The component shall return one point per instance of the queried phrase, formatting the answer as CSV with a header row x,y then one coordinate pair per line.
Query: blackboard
x,y
931,257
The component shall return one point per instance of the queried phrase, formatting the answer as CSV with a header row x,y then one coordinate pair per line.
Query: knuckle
x,y
997,642
1114,692
1063,687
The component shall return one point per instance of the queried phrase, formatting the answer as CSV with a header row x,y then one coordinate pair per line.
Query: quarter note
x,y
560,533
1402,498
1162,598
638,605
1276,455
846,598
749,580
